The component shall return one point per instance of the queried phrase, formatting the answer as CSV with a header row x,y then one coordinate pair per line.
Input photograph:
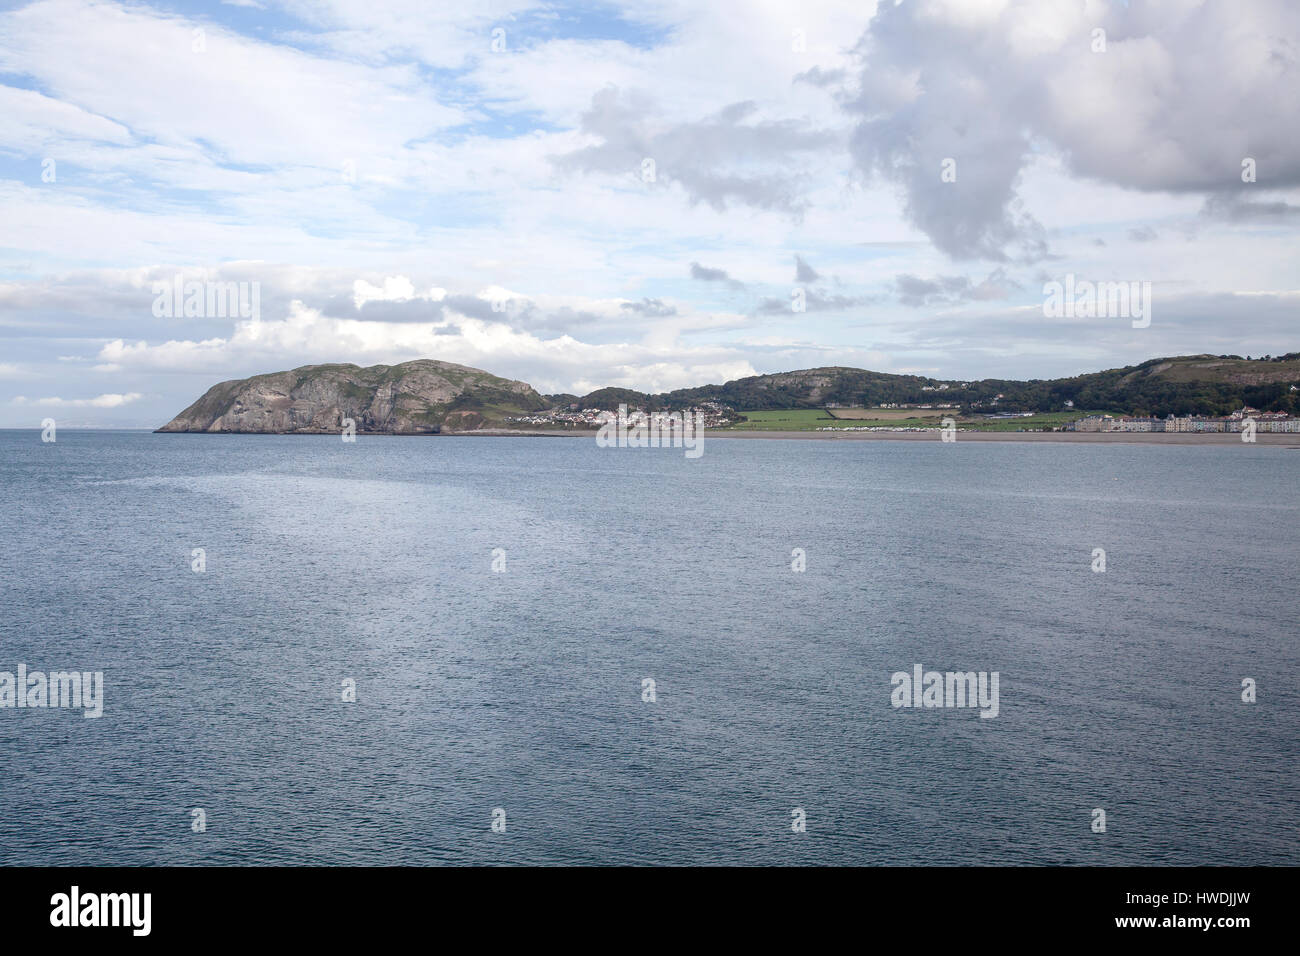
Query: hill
x,y
420,397
429,397
1192,384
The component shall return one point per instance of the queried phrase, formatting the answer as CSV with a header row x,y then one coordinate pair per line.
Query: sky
x,y
653,195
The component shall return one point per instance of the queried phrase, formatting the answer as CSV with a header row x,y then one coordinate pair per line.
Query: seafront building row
x,y
1236,422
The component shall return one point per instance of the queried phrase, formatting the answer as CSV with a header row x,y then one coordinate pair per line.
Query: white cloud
x,y
1178,97
101,401
307,336
228,164
30,120
249,101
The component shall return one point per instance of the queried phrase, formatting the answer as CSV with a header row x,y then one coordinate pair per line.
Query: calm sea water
x,y
522,690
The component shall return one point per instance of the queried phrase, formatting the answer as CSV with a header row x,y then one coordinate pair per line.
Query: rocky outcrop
x,y
423,397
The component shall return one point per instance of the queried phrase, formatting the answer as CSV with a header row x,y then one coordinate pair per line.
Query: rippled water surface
x,y
523,690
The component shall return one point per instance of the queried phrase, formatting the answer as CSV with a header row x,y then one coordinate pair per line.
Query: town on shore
x,y
709,414
1240,420
715,415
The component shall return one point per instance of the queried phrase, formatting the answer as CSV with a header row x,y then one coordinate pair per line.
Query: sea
x,y
537,651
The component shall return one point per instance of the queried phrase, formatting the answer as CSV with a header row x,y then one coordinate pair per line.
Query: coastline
x,y
1116,438
1286,440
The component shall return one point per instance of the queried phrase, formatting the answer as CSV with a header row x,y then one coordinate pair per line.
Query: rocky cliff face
x,y
415,398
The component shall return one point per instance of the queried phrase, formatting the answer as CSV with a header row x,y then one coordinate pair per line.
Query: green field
x,y
809,419
889,414
785,420
1045,420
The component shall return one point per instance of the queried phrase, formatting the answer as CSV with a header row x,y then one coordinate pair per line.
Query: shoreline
x,y
1291,440
1287,440
1117,438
